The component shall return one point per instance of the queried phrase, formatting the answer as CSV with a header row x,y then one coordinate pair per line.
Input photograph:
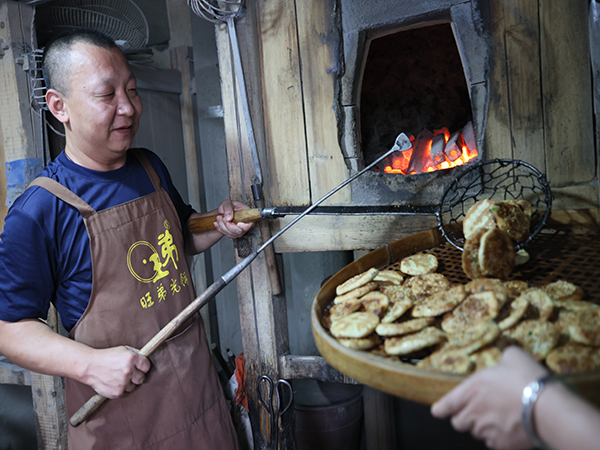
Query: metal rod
x,y
96,401
237,63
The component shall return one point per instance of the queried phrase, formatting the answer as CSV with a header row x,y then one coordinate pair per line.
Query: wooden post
x,y
48,395
19,124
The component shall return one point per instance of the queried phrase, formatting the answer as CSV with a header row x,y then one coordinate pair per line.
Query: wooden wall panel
x,y
497,138
567,91
317,38
524,81
282,103
331,233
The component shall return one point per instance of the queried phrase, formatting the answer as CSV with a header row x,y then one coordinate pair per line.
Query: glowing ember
x,y
433,151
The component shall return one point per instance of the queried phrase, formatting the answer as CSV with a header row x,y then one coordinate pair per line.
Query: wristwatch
x,y
530,395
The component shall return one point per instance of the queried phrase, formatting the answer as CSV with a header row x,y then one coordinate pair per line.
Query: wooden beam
x,y
334,233
48,395
567,87
497,132
12,374
318,43
311,367
524,81
282,103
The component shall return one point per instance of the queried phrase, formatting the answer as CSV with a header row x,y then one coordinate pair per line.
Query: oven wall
x,y
540,110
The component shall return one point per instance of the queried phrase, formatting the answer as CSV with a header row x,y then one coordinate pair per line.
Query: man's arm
x,y
224,226
33,345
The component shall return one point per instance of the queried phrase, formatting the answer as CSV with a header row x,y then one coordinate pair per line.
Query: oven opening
x,y
414,83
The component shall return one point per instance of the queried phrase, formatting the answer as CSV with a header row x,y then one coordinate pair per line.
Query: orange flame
x,y
400,161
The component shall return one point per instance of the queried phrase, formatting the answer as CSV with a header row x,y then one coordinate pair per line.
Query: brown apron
x,y
140,282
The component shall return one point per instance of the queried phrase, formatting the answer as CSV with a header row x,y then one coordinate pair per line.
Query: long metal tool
x,y
206,223
168,330
219,11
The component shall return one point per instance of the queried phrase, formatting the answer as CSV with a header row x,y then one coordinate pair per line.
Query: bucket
x,y
333,425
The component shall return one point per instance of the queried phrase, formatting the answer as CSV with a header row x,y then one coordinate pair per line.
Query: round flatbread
x,y
365,343
573,358
413,342
475,309
356,293
540,300
585,329
487,357
344,309
398,294
356,281
478,217
447,361
496,254
398,329
562,291
428,284
355,325
397,310
375,302
419,264
390,276
537,337
440,302
517,310
512,218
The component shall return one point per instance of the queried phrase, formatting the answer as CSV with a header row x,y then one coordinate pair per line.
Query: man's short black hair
x,y
56,65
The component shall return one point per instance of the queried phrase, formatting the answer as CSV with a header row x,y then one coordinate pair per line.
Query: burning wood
x,y
421,155
433,151
452,149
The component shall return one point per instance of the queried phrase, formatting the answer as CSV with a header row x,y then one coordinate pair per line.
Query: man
x,y
100,235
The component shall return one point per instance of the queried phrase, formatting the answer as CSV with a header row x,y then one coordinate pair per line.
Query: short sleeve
x,y
26,280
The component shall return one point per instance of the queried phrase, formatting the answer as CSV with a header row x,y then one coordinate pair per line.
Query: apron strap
x,y
63,193
143,160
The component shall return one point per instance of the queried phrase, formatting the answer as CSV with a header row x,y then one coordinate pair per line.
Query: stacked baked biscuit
x,y
490,229
416,314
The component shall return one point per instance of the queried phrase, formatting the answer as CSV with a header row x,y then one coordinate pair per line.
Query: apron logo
x,y
148,265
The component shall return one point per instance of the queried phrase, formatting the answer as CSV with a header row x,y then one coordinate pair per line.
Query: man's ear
x,y
56,105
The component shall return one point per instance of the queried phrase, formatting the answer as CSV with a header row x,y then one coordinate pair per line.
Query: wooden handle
x,y
88,408
159,338
206,223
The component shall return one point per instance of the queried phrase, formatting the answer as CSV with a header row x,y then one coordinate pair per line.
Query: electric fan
x,y
122,20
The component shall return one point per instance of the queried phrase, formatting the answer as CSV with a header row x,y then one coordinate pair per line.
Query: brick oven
x,y
418,68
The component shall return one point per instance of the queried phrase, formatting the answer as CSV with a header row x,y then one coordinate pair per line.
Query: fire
x,y
433,151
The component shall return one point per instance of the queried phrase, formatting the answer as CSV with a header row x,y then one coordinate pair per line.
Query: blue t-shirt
x,y
45,249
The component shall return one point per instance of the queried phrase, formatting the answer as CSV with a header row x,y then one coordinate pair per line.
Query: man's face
x,y
102,106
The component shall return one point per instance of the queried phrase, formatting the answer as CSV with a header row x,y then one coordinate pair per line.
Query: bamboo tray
x,y
559,252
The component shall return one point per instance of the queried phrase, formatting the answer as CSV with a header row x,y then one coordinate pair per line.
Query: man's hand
x,y
224,223
33,345
116,370
488,403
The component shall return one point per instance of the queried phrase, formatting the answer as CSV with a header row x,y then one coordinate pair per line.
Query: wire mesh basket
x,y
497,179
122,20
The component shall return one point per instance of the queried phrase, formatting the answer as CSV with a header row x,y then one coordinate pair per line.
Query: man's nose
x,y
125,106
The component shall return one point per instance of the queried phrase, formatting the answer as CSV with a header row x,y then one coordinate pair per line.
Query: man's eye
x,y
132,92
